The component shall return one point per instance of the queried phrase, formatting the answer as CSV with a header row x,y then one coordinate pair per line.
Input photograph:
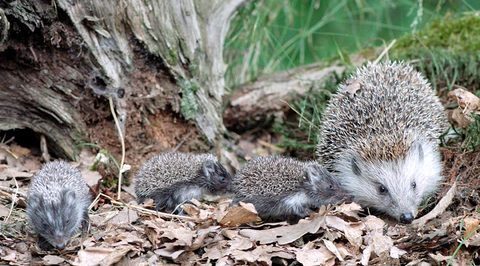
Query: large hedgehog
x,y
172,178
380,135
57,206
283,188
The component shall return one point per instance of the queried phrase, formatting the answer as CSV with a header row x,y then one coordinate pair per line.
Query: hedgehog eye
x,y
330,187
382,189
414,185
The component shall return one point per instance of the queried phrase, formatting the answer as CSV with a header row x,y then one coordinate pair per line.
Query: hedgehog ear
x,y
315,173
417,148
354,164
208,168
68,197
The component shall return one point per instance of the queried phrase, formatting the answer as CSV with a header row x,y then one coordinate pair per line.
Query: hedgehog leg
x,y
85,223
43,243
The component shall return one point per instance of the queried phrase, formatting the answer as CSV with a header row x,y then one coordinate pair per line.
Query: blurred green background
x,y
442,37
272,35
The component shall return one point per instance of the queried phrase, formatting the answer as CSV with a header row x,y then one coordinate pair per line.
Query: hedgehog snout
x,y
406,218
59,240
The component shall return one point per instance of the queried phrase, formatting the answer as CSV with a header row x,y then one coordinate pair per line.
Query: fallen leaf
x,y
125,216
286,234
10,256
352,86
173,254
100,256
52,260
310,255
439,257
4,211
353,230
330,246
465,99
91,177
440,208
471,226
238,215
468,103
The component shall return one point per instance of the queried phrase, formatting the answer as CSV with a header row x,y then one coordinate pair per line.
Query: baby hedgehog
x,y
172,178
380,136
283,188
57,205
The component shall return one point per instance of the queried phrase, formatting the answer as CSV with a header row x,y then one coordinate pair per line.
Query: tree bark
x,y
57,58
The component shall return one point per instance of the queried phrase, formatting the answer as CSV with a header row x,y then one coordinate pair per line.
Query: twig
x,y
439,209
14,199
122,141
11,190
182,141
147,211
384,51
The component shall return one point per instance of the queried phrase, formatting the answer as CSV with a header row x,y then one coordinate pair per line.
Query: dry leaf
x,y
352,86
238,215
310,255
439,209
91,177
4,211
173,254
286,234
10,256
465,99
439,257
125,216
468,103
100,256
330,246
52,260
353,231
471,226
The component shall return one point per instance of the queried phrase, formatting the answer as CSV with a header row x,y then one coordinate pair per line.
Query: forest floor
x,y
213,233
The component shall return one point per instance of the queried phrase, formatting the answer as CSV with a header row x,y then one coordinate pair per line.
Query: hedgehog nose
x,y
406,218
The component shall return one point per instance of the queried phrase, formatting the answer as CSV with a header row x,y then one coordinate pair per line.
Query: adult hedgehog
x,y
380,136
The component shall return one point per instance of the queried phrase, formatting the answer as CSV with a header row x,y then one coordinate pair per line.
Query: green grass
x,y
273,35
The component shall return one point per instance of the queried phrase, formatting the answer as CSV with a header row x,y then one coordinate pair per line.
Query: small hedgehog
x,y
172,178
57,205
283,188
380,135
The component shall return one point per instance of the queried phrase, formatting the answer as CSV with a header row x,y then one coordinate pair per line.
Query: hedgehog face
x,y
57,222
322,186
394,187
215,177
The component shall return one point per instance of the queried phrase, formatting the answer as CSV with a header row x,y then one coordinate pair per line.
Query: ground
x,y
211,232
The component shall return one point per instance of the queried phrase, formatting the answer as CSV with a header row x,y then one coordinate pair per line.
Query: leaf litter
x,y
216,233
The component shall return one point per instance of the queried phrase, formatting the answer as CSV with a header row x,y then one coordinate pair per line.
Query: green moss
x,y
446,51
188,104
451,33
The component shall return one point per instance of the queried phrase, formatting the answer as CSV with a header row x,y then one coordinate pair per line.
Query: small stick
x,y
147,211
122,141
14,199
11,190
384,51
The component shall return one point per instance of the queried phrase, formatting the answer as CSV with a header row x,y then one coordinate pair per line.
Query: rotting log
x,y
256,102
60,61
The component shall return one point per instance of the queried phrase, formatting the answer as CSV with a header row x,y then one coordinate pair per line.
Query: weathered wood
x,y
58,57
188,35
257,101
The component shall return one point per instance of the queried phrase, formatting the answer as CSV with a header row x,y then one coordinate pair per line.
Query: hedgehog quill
x,y
283,188
172,178
57,206
380,135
